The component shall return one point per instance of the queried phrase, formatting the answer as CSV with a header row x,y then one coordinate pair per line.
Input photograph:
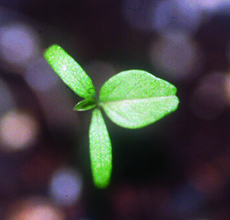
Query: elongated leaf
x,y
70,71
100,150
135,98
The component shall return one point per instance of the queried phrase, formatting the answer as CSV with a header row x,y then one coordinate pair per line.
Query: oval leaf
x,y
70,71
100,150
135,98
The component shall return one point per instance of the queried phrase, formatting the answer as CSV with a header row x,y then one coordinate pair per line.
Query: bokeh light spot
x,y
176,15
18,43
176,56
66,186
187,200
18,130
35,209
211,5
207,179
208,98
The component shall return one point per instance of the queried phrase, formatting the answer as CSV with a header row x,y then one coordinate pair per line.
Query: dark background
x,y
175,169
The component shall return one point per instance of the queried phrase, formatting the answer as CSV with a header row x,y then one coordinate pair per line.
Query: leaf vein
x,y
137,99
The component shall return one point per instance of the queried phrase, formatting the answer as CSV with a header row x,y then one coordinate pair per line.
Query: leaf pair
x,y
131,99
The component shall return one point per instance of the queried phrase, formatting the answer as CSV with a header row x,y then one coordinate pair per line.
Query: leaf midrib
x,y
136,99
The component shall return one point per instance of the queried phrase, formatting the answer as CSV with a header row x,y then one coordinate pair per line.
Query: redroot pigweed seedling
x,y
131,99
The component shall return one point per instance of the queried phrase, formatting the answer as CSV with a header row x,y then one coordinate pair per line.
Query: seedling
x,y
131,99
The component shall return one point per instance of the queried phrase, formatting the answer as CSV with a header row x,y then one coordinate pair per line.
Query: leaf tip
x,y
51,51
101,179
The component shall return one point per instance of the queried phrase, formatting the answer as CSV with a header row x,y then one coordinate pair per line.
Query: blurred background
x,y
175,169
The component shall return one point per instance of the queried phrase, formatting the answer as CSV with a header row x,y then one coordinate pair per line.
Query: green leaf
x,y
135,98
70,71
100,150
85,105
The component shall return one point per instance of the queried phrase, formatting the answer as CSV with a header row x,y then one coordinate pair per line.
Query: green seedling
x,y
131,99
